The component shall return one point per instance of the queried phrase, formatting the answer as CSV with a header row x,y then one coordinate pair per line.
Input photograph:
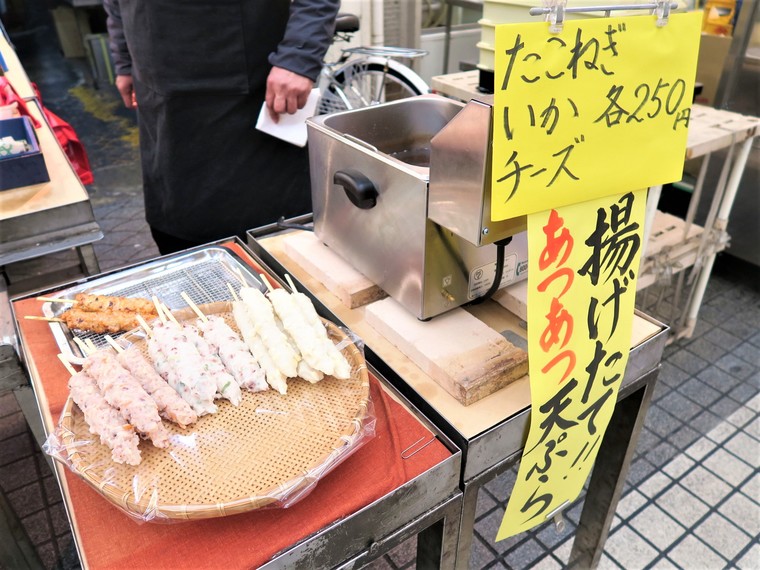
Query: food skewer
x,y
82,346
224,342
266,282
124,392
232,292
274,377
226,384
164,313
94,322
314,363
92,303
211,364
169,314
179,362
169,403
104,419
193,306
145,326
114,344
159,310
260,311
342,369
306,342
55,300
66,364
107,303
40,318
305,327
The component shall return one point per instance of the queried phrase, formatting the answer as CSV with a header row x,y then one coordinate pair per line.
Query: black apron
x,y
200,69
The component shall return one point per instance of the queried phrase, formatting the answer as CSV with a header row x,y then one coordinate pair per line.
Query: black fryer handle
x,y
359,189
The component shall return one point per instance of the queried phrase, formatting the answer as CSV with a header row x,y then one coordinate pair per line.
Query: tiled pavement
x,y
692,498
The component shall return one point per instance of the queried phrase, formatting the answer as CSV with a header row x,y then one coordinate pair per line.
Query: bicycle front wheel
x,y
369,81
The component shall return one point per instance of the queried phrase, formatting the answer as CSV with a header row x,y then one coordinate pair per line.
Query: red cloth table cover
x,y
110,539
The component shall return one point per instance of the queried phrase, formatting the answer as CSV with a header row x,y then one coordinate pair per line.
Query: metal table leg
x,y
609,474
437,544
467,525
607,479
469,507
87,259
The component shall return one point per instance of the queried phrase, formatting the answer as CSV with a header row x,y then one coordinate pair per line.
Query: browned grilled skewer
x,y
104,322
97,303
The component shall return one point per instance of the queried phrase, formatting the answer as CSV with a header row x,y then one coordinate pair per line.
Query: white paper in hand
x,y
291,128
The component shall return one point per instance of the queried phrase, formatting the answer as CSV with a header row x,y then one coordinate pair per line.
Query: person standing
x,y
198,72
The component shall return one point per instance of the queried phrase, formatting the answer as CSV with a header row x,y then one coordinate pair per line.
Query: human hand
x,y
127,90
286,92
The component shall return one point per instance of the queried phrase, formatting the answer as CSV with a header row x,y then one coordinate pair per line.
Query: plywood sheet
x,y
342,280
467,358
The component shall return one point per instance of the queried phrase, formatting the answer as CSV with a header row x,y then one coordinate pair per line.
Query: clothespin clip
x,y
553,12
556,15
662,11
556,514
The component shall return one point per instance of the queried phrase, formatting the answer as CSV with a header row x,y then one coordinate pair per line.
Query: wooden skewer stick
x,y
159,309
113,343
193,306
240,276
143,324
48,319
67,364
56,300
91,345
169,314
290,283
266,282
232,292
82,346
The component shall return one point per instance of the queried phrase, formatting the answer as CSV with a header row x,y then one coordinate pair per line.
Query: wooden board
x,y
468,420
466,357
514,298
672,247
351,287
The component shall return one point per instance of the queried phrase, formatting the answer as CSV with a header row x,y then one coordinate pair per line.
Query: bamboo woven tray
x,y
269,451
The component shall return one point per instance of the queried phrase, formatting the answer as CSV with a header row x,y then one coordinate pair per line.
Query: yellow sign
x,y
582,266
600,106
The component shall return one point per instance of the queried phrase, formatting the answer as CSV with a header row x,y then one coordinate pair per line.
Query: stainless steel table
x,y
53,216
427,506
491,433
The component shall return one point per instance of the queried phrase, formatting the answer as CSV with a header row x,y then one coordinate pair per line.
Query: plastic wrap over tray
x,y
267,452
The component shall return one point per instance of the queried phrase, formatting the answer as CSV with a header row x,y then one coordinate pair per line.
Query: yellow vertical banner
x,y
582,266
601,106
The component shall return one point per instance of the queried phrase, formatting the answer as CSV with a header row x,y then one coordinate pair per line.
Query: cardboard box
x,y
99,55
712,57
71,25
26,168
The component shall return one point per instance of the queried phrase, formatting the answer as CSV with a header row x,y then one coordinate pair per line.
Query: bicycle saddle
x,y
347,23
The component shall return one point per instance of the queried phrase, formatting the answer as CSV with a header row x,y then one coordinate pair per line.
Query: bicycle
x,y
364,76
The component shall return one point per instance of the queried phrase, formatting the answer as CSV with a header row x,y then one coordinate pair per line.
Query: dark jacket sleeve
x,y
117,42
307,37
